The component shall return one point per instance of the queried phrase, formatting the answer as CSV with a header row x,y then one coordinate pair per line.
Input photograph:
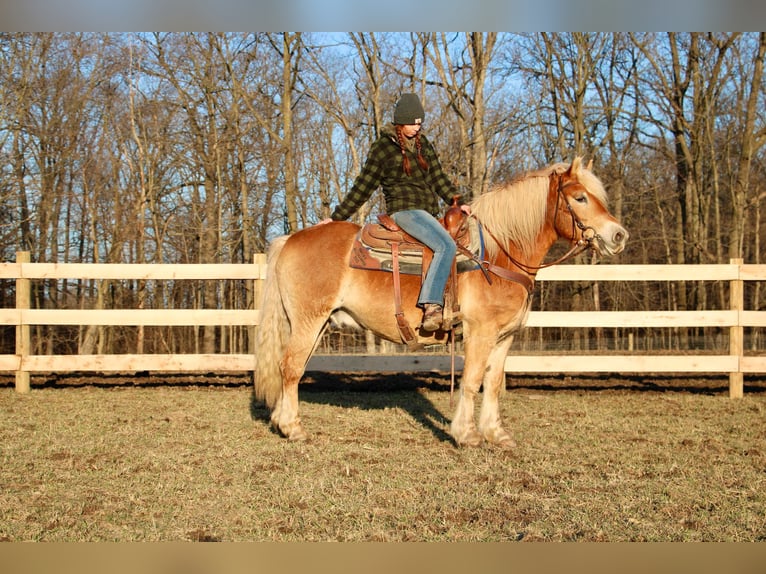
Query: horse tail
x,y
273,331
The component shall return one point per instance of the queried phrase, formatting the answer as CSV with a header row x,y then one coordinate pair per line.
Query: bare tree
x,y
464,85
354,97
751,139
189,63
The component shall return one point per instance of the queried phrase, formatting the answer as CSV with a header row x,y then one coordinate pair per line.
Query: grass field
x,y
178,460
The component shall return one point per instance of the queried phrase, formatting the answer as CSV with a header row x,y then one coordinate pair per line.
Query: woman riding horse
x,y
411,195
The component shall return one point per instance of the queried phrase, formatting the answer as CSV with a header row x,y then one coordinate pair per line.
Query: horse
x,y
309,283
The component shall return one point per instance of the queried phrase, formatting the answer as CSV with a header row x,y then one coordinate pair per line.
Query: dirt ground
x,y
147,457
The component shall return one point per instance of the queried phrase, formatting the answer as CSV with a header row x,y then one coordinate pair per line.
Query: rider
x,y
405,165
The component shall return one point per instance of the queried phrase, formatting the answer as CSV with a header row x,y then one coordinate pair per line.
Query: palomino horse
x,y
309,280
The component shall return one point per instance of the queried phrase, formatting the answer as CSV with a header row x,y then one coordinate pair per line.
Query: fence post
x,y
736,333
23,299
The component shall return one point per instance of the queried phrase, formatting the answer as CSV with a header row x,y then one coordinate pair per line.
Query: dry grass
x,y
169,462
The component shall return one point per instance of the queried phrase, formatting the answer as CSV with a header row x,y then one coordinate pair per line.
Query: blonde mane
x,y
515,211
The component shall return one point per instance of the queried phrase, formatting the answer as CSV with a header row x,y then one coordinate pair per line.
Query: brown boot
x,y
432,317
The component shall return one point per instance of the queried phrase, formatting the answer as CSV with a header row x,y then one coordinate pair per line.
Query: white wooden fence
x,y
736,363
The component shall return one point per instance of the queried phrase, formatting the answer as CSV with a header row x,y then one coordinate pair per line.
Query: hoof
x,y
470,439
508,444
501,439
292,432
299,436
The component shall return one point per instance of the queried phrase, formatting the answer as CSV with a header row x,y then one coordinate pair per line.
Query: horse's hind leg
x,y
285,417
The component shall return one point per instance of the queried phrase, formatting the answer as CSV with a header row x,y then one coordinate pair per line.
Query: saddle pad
x,y
376,254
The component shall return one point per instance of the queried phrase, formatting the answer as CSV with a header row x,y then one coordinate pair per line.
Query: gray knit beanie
x,y
408,110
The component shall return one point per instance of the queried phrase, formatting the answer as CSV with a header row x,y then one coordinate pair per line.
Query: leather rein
x,y
587,236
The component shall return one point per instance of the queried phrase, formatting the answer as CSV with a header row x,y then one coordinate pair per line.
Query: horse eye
x,y
581,199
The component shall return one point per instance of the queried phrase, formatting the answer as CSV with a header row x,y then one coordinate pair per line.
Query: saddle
x,y
384,246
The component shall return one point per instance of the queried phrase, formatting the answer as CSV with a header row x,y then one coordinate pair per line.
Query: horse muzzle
x,y
613,240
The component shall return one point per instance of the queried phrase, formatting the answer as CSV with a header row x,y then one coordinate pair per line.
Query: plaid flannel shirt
x,y
383,168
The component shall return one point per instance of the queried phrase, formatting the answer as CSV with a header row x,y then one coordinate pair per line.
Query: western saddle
x,y
386,237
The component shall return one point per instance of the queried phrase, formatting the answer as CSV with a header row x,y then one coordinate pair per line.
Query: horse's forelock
x,y
594,186
586,177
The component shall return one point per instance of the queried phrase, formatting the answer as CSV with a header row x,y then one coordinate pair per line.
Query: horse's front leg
x,y
463,427
490,424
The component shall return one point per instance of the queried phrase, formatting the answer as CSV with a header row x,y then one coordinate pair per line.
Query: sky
x,y
390,15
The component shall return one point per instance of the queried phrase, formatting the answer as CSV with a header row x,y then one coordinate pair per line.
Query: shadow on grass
x,y
373,392
400,390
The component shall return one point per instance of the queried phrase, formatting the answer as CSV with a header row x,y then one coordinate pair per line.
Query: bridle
x,y
587,235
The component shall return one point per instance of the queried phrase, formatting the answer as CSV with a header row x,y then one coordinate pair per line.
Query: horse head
x,y
582,216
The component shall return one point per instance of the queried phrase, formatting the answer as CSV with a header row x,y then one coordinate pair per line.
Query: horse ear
x,y
576,165
590,165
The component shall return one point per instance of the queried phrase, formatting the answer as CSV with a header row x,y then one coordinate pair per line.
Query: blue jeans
x,y
426,228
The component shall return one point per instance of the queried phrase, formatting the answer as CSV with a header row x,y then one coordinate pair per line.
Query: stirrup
x,y
432,317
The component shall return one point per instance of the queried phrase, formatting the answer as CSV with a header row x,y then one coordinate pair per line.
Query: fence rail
x,y
735,319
